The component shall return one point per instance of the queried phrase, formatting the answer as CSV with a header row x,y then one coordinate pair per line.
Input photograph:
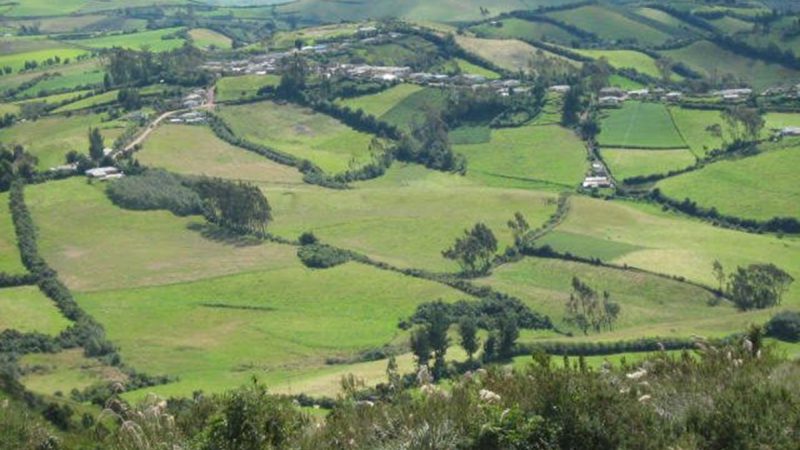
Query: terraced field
x,y
639,125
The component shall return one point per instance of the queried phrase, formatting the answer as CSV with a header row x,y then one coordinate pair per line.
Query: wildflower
x,y
644,398
636,375
488,396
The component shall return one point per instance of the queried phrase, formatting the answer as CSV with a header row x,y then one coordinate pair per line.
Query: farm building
x,y
559,88
673,96
104,173
613,92
609,101
596,182
639,94
790,131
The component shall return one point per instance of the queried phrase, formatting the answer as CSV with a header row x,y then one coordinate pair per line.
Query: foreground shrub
x,y
784,326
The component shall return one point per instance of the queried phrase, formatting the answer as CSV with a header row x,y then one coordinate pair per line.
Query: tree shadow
x,y
218,234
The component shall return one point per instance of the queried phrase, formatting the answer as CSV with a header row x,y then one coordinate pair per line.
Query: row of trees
x,y
589,310
756,286
141,67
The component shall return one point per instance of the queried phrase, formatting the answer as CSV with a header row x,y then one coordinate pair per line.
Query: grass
x,y
467,67
17,60
709,59
732,25
407,111
46,374
50,138
310,35
627,59
610,25
666,19
382,102
469,134
586,246
301,132
9,255
57,98
243,87
529,156
522,29
209,39
621,82
693,125
90,102
27,310
627,163
155,40
96,246
305,316
85,73
514,55
638,124
196,150
646,300
759,187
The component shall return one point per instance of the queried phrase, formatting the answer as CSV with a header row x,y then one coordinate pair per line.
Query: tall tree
x,y
586,311
744,124
508,332
475,250
571,110
664,66
437,337
719,274
421,346
96,145
519,228
468,329
758,286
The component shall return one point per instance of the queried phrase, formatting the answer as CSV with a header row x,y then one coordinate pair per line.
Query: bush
x,y
320,256
784,326
155,189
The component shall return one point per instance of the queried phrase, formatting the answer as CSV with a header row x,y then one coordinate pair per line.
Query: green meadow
x,y
610,25
27,310
209,39
17,60
628,162
758,187
155,40
467,67
627,59
69,77
639,125
194,150
9,255
243,87
697,128
512,54
48,373
301,132
666,19
731,25
525,157
523,29
382,102
411,108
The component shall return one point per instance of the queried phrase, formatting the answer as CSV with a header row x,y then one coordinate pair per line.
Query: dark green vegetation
x,y
389,223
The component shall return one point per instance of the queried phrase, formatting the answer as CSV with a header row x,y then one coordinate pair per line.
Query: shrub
x,y
155,189
320,256
784,326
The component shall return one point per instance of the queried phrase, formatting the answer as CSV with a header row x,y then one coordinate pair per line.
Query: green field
x,y
408,111
301,132
242,87
382,102
85,73
48,373
665,19
467,67
514,55
626,162
195,150
155,40
731,25
50,138
27,310
628,59
523,29
9,255
56,99
525,157
610,25
694,125
209,39
17,60
707,58
310,36
759,187
28,8
648,302
639,125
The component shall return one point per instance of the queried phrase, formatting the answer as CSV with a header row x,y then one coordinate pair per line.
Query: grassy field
x,y
626,163
205,331
209,39
309,36
126,249
731,25
382,102
513,55
85,73
50,138
301,132
525,157
197,151
242,87
610,25
642,125
666,19
56,99
408,110
760,187
627,59
17,60
621,82
522,29
46,374
709,59
28,8
644,236
27,310
9,255
155,40
467,67
693,125
646,300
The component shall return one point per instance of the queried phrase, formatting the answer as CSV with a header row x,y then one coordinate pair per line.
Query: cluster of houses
x,y
614,96
189,118
597,177
195,99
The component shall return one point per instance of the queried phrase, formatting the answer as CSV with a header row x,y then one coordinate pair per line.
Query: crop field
x,y
155,40
89,102
9,255
646,300
242,87
204,331
28,8
774,121
627,162
407,50
551,111
196,150
511,54
411,109
627,59
208,39
50,138
758,187
523,29
27,310
525,157
9,108
300,132
707,58
381,103
610,25
118,252
639,125
643,236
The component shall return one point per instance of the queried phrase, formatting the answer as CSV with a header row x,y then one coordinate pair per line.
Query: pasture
x,y
27,310
193,150
514,55
17,60
69,77
217,333
666,19
412,108
627,162
527,157
469,68
9,255
381,103
243,87
50,138
703,130
522,29
758,187
639,125
301,132
209,39
627,59
161,40
48,373
610,25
